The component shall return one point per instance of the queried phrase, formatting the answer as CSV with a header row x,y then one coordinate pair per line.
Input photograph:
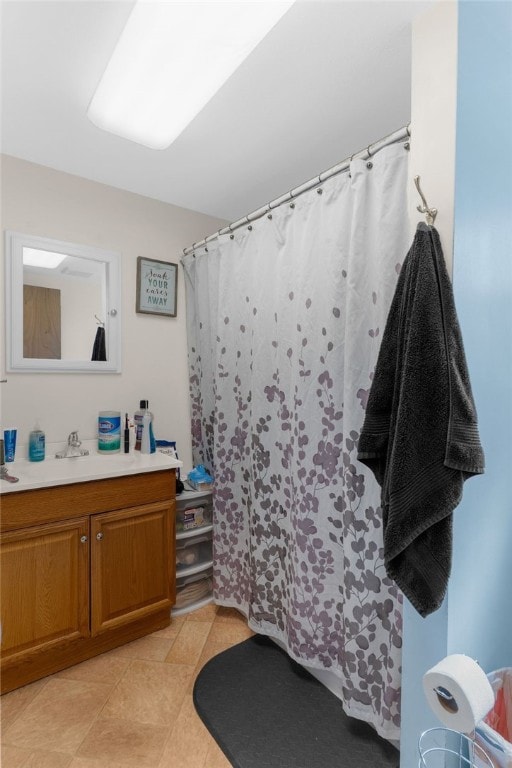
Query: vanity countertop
x,y
95,466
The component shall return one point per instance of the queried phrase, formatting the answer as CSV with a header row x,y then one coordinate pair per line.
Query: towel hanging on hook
x,y
430,213
99,349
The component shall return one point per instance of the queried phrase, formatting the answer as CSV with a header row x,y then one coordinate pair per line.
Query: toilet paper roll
x,y
458,692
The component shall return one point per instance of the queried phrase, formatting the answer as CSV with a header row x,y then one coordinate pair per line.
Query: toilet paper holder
x,y
436,744
446,699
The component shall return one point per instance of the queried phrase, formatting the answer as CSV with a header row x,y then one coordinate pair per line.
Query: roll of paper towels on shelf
x,y
458,692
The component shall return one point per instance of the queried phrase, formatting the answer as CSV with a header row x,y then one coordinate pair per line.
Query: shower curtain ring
x,y
368,150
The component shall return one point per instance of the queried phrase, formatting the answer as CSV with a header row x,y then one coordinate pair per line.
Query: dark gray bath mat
x,y
265,711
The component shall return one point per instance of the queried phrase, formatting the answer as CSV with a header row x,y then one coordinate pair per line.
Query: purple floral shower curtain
x,y
284,326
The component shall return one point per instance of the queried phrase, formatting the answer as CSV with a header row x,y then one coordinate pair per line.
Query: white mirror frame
x,y
15,362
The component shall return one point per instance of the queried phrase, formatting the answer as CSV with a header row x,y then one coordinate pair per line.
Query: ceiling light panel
x,y
171,58
34,257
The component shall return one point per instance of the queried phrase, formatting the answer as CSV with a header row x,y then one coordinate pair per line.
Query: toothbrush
x,y
126,434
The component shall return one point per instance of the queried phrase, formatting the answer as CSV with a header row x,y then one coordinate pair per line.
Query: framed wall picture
x,y
157,287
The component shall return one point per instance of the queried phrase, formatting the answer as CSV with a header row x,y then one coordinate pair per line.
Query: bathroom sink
x,y
79,469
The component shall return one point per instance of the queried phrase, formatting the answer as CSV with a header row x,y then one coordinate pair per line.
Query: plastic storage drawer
x,y
193,590
193,510
194,557
193,552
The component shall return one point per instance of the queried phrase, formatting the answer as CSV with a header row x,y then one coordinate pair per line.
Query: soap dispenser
x,y
36,444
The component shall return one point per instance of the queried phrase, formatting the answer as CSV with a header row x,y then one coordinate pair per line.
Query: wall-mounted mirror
x,y
63,306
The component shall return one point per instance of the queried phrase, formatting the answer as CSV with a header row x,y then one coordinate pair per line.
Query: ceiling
x,y
332,77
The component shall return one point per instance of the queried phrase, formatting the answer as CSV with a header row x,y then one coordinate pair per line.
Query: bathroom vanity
x,y
87,560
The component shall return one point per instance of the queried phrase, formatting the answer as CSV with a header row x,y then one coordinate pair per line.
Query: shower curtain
x,y
284,322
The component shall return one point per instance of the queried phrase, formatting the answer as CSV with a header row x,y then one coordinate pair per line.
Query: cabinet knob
x,y
83,539
99,536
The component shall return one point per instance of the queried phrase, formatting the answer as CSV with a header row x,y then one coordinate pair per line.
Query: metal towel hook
x,y
430,213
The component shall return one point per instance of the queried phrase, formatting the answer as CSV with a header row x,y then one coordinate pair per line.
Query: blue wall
x,y
425,643
480,595
476,617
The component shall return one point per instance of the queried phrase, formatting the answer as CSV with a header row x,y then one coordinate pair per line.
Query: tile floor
x,y
129,707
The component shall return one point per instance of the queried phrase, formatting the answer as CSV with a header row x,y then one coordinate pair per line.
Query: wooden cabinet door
x,y
132,564
45,586
41,322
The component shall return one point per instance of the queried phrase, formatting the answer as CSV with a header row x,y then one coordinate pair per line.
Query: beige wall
x,y
433,128
40,201
433,117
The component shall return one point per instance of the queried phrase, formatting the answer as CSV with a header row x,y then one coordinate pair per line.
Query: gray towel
x,y
420,435
99,350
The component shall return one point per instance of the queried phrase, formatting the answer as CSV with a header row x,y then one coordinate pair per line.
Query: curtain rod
x,y
363,154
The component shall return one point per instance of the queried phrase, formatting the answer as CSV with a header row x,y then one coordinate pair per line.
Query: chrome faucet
x,y
72,449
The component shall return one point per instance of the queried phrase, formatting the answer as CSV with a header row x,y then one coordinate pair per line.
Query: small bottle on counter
x,y
10,443
36,444
138,419
145,442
